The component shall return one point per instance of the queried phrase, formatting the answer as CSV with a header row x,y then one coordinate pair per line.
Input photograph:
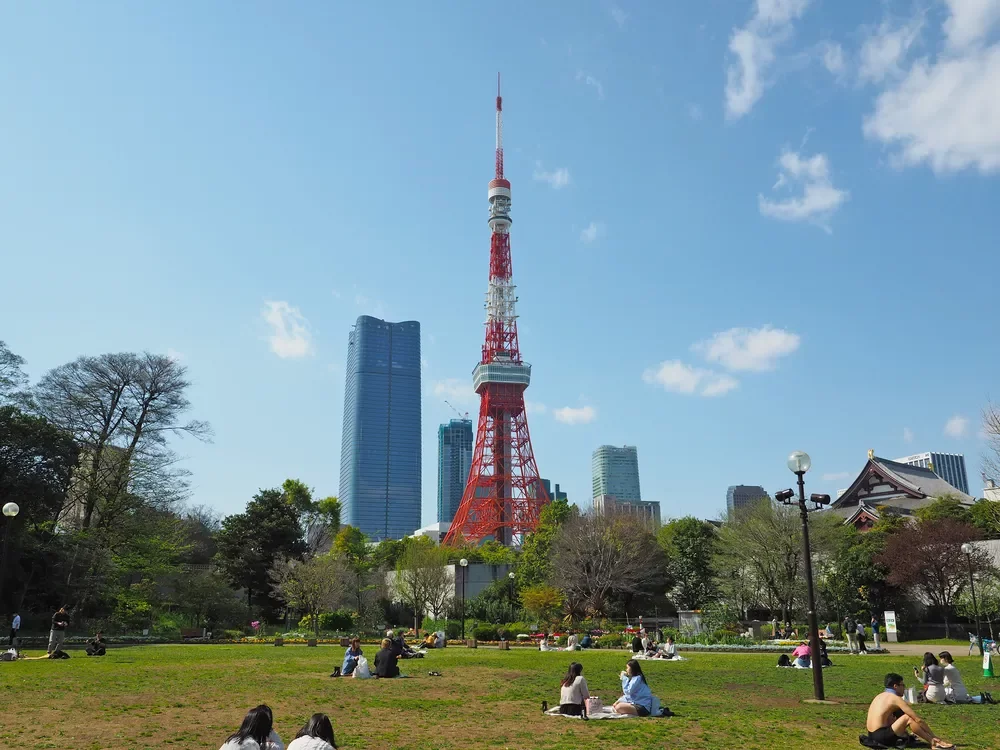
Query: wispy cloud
x,y
833,58
534,407
885,48
458,392
591,232
754,46
907,435
175,355
289,337
836,476
575,415
748,349
619,15
817,199
589,80
679,377
557,178
957,426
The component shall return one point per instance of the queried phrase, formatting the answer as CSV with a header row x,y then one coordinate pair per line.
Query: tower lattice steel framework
x,y
503,495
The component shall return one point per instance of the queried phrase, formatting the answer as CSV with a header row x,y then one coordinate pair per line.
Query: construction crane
x,y
463,416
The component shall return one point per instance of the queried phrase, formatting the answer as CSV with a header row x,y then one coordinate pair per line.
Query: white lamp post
x,y
464,564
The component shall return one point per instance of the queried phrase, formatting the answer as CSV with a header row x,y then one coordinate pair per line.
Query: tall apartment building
x,y
553,494
380,450
949,466
616,473
739,496
455,441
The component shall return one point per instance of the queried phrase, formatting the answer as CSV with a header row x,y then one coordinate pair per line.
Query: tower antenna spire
x,y
499,171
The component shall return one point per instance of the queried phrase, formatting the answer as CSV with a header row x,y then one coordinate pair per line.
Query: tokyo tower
x,y
503,496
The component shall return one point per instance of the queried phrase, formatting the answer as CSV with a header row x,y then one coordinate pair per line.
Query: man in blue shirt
x,y
15,625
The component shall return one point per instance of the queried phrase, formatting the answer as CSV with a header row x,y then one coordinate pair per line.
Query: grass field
x,y
190,696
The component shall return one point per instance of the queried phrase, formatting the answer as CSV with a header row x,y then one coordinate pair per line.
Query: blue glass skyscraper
x,y
454,460
380,450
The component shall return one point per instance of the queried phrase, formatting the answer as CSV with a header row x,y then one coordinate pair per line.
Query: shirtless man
x,y
889,718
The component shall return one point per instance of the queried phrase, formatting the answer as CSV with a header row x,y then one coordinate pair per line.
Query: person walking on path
x,y
875,625
57,636
862,648
851,633
15,626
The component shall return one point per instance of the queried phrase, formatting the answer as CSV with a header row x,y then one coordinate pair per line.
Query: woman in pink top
x,y
801,655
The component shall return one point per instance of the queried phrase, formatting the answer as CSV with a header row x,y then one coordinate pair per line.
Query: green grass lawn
x,y
189,696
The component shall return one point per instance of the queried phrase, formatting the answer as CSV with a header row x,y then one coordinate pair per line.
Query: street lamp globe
x,y
463,562
511,575
799,462
10,510
966,548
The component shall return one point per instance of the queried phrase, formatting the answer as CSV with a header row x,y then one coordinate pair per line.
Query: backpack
x,y
784,661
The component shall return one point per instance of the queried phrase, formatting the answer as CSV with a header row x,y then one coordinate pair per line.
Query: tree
x,y
250,542
422,580
13,381
205,598
991,432
311,586
535,565
946,506
543,603
320,519
352,544
985,516
987,604
927,558
689,546
598,558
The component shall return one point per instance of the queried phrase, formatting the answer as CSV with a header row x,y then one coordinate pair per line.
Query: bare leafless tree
x,y
314,586
991,431
600,558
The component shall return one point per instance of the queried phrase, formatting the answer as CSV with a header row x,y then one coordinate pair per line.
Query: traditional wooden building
x,y
885,486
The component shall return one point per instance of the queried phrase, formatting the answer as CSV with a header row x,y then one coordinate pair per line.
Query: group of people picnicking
x,y
392,648
636,698
257,733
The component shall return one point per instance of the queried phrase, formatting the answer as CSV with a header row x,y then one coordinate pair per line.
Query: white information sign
x,y
890,625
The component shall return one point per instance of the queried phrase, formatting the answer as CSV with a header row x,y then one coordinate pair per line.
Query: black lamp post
x,y
9,510
968,550
463,563
799,463
511,577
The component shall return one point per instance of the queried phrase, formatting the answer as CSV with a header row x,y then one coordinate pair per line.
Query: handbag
x,y
594,705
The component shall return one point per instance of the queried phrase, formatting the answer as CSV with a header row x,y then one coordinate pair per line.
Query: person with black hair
x,y
573,692
317,734
97,646
890,718
57,636
255,733
636,644
932,675
636,697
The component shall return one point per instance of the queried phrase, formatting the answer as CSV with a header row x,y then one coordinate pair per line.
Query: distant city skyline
x,y
739,496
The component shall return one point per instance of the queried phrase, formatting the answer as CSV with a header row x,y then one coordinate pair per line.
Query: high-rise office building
x,y
454,460
380,450
554,494
949,466
740,496
616,473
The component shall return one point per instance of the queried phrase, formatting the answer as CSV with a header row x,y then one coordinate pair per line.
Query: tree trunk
x,y
947,625
315,619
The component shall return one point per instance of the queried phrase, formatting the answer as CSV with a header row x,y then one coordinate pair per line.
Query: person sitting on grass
x,y
668,650
932,675
386,661
572,642
255,733
573,693
801,656
97,646
586,641
317,734
430,640
636,644
543,644
954,685
890,718
636,698
351,656
400,648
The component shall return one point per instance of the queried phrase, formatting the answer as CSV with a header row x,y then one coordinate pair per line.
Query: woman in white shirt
x,y
317,734
574,692
255,733
573,642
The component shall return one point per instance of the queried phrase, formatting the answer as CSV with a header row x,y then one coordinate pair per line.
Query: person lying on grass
x,y
890,718
255,733
317,734
636,697
573,692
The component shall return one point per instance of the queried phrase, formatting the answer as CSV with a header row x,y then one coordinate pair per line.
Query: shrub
x,y
452,630
485,633
341,621
610,640
562,640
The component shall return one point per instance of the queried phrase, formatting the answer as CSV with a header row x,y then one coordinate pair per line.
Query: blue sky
x,y
740,228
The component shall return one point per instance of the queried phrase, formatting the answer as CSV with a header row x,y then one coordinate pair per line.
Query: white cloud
x,y
533,407
833,58
458,392
885,48
289,336
557,178
575,415
619,15
818,200
591,81
754,46
836,476
944,110
907,435
679,377
957,426
591,233
175,355
748,349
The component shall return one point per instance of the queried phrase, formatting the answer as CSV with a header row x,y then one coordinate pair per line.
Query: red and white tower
x,y
503,495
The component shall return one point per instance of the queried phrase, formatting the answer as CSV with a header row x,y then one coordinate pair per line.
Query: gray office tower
x,y
739,496
380,450
949,466
454,461
616,473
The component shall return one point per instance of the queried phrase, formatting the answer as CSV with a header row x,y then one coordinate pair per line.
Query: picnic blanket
x,y
604,713
643,657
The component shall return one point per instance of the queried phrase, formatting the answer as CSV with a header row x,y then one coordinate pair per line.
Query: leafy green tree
x,y
422,581
987,603
312,586
13,381
543,603
689,546
320,519
535,564
251,541
943,507
206,599
352,545
985,516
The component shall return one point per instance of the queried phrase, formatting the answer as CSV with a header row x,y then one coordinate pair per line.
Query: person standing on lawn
x,y
851,633
862,648
57,636
15,626
875,625
890,718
